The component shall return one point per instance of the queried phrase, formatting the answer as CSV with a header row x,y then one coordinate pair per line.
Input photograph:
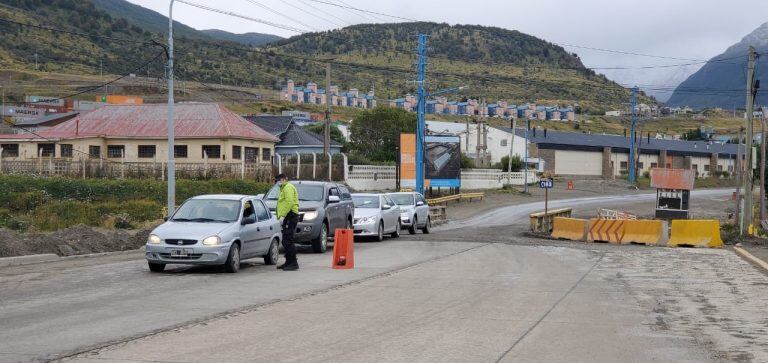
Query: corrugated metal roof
x,y
275,125
618,142
192,120
46,119
285,128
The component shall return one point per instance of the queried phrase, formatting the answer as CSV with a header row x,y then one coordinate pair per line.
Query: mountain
x,y
721,82
252,39
495,63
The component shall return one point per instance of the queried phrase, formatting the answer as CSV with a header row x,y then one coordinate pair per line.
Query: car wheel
x,y
412,228
348,224
273,254
156,267
427,227
233,260
320,244
380,235
396,233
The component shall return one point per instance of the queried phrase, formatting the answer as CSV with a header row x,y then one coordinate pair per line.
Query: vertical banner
x,y
408,160
442,160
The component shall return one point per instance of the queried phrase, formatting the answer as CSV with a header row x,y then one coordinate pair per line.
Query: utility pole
x,y
747,214
737,171
525,158
35,61
633,124
328,97
171,124
420,111
511,152
478,147
762,164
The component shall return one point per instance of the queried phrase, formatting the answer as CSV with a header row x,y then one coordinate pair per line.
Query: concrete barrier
x,y
649,232
696,233
569,228
606,230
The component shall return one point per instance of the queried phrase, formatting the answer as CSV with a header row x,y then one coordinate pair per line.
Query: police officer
x,y
288,213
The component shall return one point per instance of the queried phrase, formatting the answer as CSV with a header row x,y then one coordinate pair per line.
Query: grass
x,y
48,204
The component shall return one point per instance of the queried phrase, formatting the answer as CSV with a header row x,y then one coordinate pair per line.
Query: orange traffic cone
x,y
343,249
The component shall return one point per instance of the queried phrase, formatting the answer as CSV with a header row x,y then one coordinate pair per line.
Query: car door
x,y
391,214
422,211
348,206
265,227
249,233
335,211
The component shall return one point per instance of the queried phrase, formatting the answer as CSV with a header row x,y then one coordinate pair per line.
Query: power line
x,y
366,15
280,14
365,11
225,12
326,13
286,2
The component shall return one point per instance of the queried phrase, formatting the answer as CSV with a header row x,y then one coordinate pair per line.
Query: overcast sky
x,y
691,29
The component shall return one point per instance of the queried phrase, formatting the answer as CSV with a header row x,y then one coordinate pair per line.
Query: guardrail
x,y
455,197
437,214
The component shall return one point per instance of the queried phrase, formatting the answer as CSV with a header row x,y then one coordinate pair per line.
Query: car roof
x,y
366,194
223,196
404,193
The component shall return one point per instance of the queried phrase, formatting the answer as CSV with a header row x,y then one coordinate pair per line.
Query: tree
x,y
375,133
517,163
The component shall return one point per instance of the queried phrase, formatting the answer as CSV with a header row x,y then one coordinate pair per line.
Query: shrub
x,y
517,163
467,162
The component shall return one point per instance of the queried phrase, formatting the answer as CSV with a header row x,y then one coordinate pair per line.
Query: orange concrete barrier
x,y
695,233
569,228
606,230
647,232
343,249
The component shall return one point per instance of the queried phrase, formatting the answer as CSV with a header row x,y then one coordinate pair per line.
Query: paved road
x,y
408,299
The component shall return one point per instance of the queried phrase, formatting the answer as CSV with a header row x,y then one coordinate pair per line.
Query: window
x,y
334,191
46,150
695,167
115,151
147,151
66,150
266,154
212,151
654,165
94,151
639,164
669,165
179,151
261,212
236,152
345,195
10,150
248,210
251,154
719,168
623,165
706,167
504,142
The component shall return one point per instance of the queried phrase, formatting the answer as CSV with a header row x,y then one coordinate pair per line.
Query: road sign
x,y
546,183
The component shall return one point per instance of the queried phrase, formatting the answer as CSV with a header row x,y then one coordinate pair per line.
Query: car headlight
x,y
212,241
154,239
366,220
311,215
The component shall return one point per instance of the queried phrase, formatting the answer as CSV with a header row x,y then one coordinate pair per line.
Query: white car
x,y
414,211
375,216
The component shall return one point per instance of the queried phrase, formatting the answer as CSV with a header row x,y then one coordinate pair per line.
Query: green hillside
x,y
495,63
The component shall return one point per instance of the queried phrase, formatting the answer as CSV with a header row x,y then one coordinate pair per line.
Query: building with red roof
x,y
135,133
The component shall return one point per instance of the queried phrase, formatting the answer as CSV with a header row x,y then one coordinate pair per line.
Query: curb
x,y
751,258
28,259
50,257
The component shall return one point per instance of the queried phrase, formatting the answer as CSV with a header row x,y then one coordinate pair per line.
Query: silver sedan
x,y
215,230
375,216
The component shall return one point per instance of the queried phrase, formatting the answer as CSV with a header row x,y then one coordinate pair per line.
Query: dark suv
x,y
323,207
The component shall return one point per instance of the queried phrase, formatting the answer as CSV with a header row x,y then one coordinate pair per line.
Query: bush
x,y
467,162
646,174
517,163
726,174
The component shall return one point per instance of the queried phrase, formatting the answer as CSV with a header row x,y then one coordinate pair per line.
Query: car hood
x,y
366,212
406,208
190,230
303,205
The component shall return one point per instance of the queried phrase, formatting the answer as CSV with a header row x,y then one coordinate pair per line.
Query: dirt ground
x,y
75,240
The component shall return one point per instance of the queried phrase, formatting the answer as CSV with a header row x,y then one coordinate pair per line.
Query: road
x,y
446,296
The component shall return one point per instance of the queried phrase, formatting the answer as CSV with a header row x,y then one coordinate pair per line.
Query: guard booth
x,y
673,192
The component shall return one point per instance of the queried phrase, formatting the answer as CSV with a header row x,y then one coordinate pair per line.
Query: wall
x,y
379,178
569,162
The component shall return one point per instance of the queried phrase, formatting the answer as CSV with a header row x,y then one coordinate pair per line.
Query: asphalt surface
x,y
481,293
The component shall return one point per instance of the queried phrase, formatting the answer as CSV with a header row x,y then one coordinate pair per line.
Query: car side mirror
x,y
248,220
419,203
386,207
333,199
165,219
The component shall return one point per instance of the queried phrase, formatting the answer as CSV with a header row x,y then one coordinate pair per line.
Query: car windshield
x,y
402,199
366,201
312,193
208,210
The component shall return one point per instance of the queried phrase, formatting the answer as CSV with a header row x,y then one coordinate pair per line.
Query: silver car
x,y
414,211
215,230
376,215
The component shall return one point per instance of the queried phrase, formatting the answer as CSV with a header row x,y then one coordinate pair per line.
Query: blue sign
x,y
546,183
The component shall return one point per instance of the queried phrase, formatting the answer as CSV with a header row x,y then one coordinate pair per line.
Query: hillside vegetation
x,y
495,63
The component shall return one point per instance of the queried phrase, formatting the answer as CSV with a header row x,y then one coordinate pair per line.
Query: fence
x,y
97,168
493,178
370,177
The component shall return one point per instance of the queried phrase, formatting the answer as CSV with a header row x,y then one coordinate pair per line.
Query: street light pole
x,y
170,124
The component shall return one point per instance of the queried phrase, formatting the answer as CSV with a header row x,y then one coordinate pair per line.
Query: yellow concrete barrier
x,y
569,228
648,232
606,230
697,233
